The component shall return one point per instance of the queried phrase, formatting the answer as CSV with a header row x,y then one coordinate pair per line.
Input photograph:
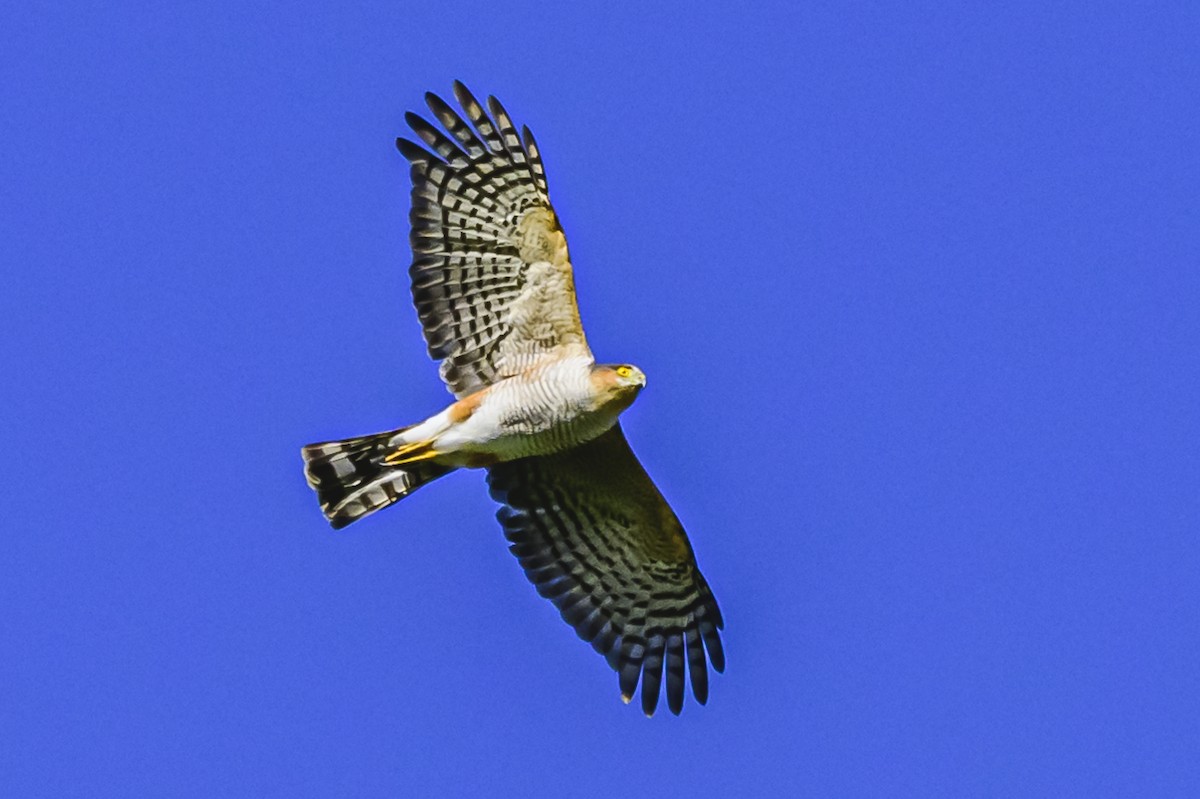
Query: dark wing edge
x,y
595,537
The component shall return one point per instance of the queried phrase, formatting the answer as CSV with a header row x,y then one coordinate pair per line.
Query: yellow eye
x,y
624,371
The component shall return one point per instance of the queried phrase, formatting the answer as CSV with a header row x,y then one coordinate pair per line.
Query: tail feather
x,y
352,479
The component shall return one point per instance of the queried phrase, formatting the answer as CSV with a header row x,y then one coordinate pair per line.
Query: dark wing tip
x,y
497,109
530,143
697,665
652,673
414,120
716,653
675,672
441,109
628,674
413,151
463,94
467,100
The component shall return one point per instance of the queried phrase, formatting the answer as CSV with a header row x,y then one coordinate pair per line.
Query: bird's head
x,y
617,384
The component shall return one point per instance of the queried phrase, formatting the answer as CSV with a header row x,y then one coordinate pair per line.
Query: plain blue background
x,y
916,287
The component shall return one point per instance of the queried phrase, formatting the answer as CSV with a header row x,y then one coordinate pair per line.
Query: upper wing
x,y
490,275
596,537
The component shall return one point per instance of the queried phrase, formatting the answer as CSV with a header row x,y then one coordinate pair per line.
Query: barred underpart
x,y
491,276
595,536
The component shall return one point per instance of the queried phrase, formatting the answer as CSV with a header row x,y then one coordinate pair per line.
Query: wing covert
x,y
491,276
595,536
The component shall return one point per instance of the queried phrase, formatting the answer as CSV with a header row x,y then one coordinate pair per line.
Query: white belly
x,y
549,410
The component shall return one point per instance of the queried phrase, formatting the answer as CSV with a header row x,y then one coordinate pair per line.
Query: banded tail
x,y
352,479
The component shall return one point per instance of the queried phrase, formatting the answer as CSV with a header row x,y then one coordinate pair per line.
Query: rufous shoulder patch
x,y
462,410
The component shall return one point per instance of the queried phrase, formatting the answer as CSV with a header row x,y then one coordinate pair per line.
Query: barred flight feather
x,y
589,528
481,220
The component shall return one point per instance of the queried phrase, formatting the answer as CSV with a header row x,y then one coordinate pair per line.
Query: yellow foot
x,y
412,453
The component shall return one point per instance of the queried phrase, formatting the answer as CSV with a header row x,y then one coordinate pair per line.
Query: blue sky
x,y
916,288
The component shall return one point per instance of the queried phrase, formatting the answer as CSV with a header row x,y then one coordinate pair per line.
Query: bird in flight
x,y
494,291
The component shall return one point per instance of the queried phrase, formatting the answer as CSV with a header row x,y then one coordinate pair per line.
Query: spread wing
x,y
596,537
491,277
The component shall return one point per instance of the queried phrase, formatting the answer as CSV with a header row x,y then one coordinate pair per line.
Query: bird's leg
x,y
412,453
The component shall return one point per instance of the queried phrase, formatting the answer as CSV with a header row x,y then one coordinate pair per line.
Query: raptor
x,y
494,290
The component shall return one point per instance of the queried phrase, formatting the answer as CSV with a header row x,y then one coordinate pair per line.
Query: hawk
x,y
493,288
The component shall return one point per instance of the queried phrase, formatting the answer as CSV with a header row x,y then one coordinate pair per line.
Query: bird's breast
x,y
540,412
